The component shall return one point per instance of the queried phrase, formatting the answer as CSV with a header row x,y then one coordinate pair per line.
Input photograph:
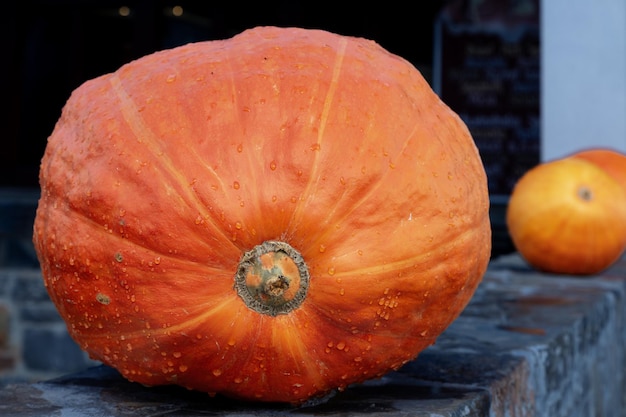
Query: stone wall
x,y
34,342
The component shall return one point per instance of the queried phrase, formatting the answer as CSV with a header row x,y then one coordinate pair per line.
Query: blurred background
x,y
532,79
482,57
54,46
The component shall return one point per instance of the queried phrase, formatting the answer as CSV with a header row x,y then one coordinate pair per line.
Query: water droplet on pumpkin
x,y
342,291
331,270
238,226
240,148
294,199
237,380
273,166
341,346
177,354
322,248
183,368
236,185
315,147
274,198
217,372
171,78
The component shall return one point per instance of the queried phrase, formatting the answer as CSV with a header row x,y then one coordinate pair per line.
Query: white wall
x,y
583,75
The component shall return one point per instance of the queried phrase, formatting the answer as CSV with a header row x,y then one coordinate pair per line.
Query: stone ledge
x,y
528,344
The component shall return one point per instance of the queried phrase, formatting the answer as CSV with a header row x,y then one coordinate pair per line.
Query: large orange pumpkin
x,y
611,160
568,216
269,217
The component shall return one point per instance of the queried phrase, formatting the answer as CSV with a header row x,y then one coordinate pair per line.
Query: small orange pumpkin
x,y
568,216
612,161
269,217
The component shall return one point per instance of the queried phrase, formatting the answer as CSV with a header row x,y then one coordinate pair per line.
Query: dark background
x,y
51,47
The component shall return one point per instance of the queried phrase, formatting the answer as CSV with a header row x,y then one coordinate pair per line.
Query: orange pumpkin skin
x,y
612,161
568,216
158,178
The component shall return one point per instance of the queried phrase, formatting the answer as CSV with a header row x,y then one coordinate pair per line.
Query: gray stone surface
x,y
61,352
34,342
529,344
102,392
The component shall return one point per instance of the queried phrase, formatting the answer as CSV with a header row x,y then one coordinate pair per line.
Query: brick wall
x,y
34,342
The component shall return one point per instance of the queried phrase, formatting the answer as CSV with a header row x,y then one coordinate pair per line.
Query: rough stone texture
x,y
101,392
34,342
528,344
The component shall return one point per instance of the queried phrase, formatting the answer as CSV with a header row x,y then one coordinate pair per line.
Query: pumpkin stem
x,y
585,193
272,278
